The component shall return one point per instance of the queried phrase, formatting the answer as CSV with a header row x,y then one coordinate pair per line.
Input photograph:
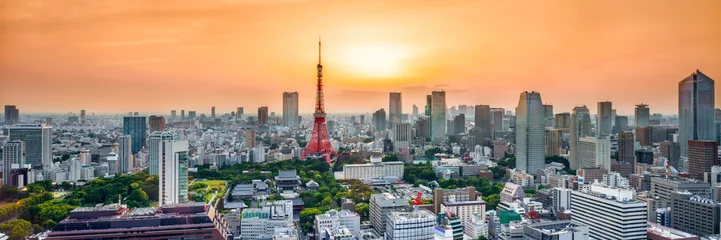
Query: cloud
x,y
133,62
137,42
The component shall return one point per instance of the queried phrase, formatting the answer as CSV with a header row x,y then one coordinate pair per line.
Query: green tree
x,y
362,209
492,201
307,216
390,158
138,198
482,238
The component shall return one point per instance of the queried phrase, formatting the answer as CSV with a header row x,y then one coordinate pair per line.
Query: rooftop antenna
x,y
318,49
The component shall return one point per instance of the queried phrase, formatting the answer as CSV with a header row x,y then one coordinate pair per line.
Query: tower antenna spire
x,y
318,49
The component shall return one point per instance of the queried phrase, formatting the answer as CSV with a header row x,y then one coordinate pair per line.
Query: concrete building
x,y
423,127
156,123
373,170
476,227
290,109
402,136
379,120
499,148
13,155
37,140
672,152
249,138
642,115
530,133
702,155
381,205
696,101
604,119
483,120
594,152
261,223
113,221
644,135
561,199
154,148
601,213
695,214
334,219
554,139
438,116
212,112
125,154
395,108
137,128
441,196
580,127
464,209
620,124
415,225
262,116
663,187
563,121
172,171
12,115
591,174
555,230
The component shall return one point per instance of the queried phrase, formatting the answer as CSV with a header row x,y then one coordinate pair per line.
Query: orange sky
x,y
154,56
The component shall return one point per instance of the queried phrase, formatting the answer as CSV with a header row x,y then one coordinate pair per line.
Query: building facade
x,y
395,108
13,155
438,116
696,101
595,152
416,225
290,109
702,155
173,172
155,149
580,127
604,118
530,133
37,140
137,128
381,205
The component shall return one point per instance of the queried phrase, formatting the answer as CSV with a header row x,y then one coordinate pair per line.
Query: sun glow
x,y
375,61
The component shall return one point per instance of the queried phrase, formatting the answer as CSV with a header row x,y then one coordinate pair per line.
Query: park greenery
x,y
135,190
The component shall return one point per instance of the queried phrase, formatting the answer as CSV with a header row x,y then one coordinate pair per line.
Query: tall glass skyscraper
x,y
530,133
37,139
695,110
154,146
438,116
137,128
580,127
290,109
395,108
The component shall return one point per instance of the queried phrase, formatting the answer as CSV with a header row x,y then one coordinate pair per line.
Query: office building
x,y
415,225
423,127
12,115
702,155
672,152
530,133
239,113
497,115
173,171
555,230
137,129
82,115
182,114
483,120
38,144
625,147
499,148
249,138
642,115
644,156
548,114
114,221
591,174
155,145
395,108
464,209
620,124
125,154
563,121
173,114
262,223
379,120
453,195
156,123
381,205
373,170
580,127
561,199
438,116
402,136
459,125
334,219
13,154
696,102
644,136
290,109
601,210
662,187
212,112
554,139
192,115
695,214
262,116
604,118
594,152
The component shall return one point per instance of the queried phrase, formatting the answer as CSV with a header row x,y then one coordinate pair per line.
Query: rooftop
x,y
417,214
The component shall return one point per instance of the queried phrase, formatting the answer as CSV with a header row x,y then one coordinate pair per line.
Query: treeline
x,y
137,190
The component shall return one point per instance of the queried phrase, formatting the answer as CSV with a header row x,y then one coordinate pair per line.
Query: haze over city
x,y
120,56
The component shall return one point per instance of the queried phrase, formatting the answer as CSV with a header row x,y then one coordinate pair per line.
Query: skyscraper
x,y
497,119
604,118
182,114
249,138
173,172
423,127
553,142
137,129
239,114
290,109
415,113
379,120
82,115
154,145
173,114
702,155
459,124
12,115
262,116
580,127
563,121
13,153
642,115
125,154
620,124
548,114
212,112
530,133
156,123
672,152
438,116
483,120
37,140
695,109
402,135
395,108
625,148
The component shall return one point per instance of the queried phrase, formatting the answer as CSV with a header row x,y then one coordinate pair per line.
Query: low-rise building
x,y
410,225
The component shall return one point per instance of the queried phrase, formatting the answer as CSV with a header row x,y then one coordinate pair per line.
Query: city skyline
x,y
211,50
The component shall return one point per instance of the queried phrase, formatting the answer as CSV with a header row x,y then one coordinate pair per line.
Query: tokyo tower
x,y
319,145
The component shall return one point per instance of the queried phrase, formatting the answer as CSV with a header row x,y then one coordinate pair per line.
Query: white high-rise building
x,y
125,154
257,223
84,157
375,169
171,155
416,225
402,135
154,145
607,215
13,154
259,154
594,151
561,199
38,144
290,109
395,108
438,116
530,133
381,205
75,170
334,219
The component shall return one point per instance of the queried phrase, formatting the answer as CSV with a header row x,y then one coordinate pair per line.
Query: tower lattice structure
x,y
319,144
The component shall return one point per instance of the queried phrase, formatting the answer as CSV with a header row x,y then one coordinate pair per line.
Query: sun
x,y
375,61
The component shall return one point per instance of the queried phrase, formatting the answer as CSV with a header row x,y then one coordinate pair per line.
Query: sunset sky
x,y
154,56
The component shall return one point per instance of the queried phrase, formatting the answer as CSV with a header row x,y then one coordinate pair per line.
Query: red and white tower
x,y
319,145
